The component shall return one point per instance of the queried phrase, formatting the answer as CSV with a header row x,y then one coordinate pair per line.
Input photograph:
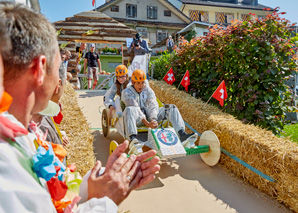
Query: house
x,y
34,4
222,11
153,19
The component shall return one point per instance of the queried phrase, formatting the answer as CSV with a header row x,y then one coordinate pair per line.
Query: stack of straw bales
x,y
80,149
273,156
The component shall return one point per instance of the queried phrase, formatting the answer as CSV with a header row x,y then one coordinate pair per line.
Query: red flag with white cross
x,y
185,81
169,77
220,93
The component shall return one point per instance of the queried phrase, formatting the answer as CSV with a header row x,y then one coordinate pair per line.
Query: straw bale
x,y
80,149
260,148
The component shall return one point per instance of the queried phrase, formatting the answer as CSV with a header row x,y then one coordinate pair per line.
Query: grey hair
x,y
31,35
62,72
5,44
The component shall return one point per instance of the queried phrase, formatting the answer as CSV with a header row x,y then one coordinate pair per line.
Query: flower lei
x,y
63,182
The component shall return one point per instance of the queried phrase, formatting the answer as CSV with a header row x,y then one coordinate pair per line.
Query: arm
x,y
144,46
130,48
85,64
109,96
152,105
99,65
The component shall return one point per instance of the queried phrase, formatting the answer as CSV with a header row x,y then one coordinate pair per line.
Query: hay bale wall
x,y
273,156
80,148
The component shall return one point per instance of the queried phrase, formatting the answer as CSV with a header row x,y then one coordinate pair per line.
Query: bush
x,y
254,57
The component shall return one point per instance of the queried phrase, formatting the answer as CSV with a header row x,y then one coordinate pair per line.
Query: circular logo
x,y
167,137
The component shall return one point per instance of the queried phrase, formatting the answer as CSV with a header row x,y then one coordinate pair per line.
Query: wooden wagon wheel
x,y
105,122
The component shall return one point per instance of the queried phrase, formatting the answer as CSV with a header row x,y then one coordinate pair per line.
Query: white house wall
x,y
142,11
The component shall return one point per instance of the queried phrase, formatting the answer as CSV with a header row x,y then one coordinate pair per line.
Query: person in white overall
x,y
142,109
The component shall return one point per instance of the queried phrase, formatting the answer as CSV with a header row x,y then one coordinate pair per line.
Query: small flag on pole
x,y
185,81
169,77
93,3
220,93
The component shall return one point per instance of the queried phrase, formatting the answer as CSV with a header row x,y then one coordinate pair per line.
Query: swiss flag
x,y
185,81
93,3
169,77
220,93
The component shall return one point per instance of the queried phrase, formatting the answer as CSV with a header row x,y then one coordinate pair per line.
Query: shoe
x,y
135,147
184,136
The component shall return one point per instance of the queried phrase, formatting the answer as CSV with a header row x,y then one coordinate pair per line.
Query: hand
x,y
147,170
138,47
114,183
112,108
153,124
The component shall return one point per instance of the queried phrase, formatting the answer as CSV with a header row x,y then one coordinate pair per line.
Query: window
x,y
160,35
167,13
245,17
151,12
196,15
224,17
115,8
131,10
143,31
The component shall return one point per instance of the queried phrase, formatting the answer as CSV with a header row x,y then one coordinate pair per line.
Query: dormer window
x,y
151,12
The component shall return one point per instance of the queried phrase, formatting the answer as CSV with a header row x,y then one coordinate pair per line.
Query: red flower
x,y
283,13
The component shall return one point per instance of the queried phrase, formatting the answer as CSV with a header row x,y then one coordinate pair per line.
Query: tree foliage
x,y
254,57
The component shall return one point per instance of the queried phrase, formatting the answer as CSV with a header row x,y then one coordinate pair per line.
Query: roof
x,y
144,23
189,27
166,3
105,29
221,4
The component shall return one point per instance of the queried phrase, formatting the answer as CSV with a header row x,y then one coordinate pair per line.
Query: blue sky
x,y
56,10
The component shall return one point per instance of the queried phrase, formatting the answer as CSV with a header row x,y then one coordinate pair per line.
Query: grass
x,y
291,132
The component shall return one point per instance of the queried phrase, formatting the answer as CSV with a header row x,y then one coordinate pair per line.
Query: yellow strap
x,y
58,130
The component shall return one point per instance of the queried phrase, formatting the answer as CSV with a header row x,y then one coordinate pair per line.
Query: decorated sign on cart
x,y
166,142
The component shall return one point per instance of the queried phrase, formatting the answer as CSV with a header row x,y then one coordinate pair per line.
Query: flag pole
x,y
181,80
210,97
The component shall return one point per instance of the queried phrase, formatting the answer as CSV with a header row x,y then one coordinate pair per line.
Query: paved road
x,y
183,184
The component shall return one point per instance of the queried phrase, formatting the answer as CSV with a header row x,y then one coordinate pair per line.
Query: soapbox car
x,y
163,139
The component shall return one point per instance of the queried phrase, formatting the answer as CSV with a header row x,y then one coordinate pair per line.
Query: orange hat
x,y
121,70
138,75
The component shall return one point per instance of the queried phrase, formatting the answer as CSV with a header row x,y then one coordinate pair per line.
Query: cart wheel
x,y
105,122
113,146
212,157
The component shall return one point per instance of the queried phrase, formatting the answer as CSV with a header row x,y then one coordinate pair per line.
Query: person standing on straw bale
x,y
31,79
142,109
92,59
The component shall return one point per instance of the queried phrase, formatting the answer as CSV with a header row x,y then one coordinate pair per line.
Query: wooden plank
x,y
75,37
98,33
90,24
103,29
94,15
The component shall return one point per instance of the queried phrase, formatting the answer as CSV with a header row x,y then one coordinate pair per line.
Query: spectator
x,y
170,44
139,45
80,51
31,79
92,59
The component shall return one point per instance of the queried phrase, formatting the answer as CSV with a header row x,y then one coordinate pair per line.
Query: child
x,y
121,83
142,109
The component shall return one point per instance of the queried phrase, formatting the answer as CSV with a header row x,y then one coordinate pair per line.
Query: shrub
x,y
254,57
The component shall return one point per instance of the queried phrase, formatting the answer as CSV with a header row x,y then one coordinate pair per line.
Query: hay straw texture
x,y
273,156
80,148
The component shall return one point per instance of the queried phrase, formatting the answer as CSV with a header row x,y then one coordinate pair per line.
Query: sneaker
x,y
135,147
183,135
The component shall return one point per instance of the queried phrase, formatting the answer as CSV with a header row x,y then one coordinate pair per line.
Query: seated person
x,y
47,119
117,88
142,109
